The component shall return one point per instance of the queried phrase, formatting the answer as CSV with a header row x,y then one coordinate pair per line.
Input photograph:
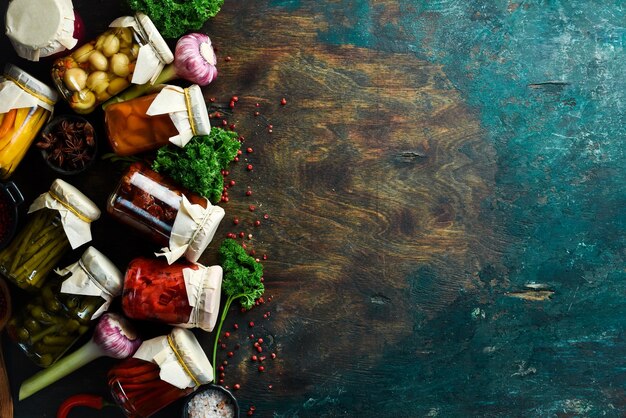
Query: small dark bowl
x,y
11,195
51,127
212,388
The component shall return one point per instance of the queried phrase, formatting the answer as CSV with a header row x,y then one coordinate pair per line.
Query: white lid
x,y
187,110
93,275
204,289
38,28
19,89
76,210
193,230
180,357
153,36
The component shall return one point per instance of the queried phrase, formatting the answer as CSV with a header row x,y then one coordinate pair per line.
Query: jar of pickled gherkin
x,y
60,219
62,311
163,370
26,104
184,294
173,115
130,51
175,218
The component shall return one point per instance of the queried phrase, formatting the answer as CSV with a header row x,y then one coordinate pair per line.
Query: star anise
x,y
47,141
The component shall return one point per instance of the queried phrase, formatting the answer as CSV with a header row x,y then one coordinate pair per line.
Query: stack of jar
x,y
181,293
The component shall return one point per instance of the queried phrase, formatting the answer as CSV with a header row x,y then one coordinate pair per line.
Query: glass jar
x,y
62,311
184,293
40,29
165,212
150,122
60,220
102,68
142,386
26,104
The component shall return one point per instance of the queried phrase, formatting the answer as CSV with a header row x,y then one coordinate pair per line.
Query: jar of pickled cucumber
x,y
26,104
184,294
146,123
60,219
64,308
130,51
183,222
163,370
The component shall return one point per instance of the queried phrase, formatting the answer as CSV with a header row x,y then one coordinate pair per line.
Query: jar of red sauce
x,y
163,370
184,293
182,222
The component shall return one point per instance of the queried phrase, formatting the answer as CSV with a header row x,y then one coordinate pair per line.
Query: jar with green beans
x,y
60,219
63,310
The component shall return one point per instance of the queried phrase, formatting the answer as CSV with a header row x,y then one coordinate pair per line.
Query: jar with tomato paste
x,y
163,370
184,293
182,222
175,115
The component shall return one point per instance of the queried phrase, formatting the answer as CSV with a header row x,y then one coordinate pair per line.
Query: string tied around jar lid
x,y
180,359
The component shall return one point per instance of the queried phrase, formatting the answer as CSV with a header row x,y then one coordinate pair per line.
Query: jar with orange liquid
x,y
26,104
174,115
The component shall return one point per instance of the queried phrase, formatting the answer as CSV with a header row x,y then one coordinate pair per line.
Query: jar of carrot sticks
x,y
163,370
60,219
173,115
25,106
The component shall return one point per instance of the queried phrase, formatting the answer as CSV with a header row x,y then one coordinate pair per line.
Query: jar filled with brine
x,y
173,115
163,370
26,104
64,308
183,293
60,219
130,51
182,222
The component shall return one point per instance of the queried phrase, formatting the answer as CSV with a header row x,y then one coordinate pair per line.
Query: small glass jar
x,y
26,104
62,311
102,68
183,293
142,386
150,122
40,29
60,220
167,213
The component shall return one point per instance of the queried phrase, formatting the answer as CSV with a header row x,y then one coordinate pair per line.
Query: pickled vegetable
x,y
131,131
18,129
35,251
136,386
52,322
98,70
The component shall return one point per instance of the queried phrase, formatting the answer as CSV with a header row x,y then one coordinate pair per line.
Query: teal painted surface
x,y
547,80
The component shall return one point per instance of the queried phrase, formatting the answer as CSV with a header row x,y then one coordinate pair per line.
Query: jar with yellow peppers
x,y
130,51
60,219
63,310
25,105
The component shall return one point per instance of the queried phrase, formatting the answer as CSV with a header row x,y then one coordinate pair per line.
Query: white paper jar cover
x,y
93,275
76,210
180,357
39,28
18,89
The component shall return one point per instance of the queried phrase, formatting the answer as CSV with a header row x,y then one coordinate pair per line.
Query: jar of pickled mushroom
x,y
60,219
183,293
173,115
182,222
26,104
130,51
41,28
163,370
63,310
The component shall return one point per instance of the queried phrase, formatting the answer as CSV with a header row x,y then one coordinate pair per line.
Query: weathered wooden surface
x,y
434,159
